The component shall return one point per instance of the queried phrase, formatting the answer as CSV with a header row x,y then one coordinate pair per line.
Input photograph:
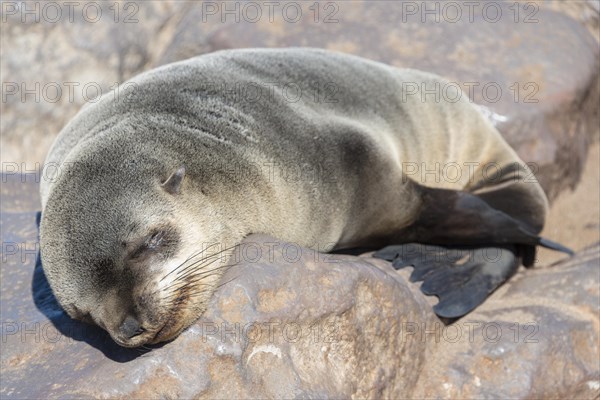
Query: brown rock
x,y
587,12
536,337
65,56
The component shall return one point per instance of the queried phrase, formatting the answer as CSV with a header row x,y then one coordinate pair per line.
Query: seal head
x,y
119,246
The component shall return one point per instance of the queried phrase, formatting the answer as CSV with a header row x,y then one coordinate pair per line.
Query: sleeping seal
x,y
136,183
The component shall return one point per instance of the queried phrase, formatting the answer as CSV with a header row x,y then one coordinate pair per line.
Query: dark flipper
x,y
450,217
472,247
462,277
549,244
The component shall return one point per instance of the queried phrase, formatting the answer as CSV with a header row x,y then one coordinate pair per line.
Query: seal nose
x,y
131,327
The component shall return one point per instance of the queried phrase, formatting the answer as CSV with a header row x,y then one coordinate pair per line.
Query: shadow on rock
x,y
45,301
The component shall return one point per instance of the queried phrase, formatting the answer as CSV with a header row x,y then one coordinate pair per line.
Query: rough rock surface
x,y
294,323
60,57
536,337
574,218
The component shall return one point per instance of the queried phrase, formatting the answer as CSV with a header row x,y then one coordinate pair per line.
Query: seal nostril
x,y
131,327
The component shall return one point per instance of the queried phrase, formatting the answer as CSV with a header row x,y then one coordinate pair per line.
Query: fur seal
x,y
144,178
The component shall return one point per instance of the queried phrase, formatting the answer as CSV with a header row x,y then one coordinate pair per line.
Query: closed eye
x,y
155,240
161,242
151,243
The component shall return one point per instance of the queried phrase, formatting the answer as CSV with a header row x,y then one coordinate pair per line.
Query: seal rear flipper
x,y
462,277
449,217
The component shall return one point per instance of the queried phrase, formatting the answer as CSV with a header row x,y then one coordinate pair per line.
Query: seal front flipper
x,y
462,277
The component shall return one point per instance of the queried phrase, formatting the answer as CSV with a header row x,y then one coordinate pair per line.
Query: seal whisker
x,y
192,278
177,293
199,278
193,255
198,267
181,282
193,265
199,292
196,279
202,271
228,281
205,258
196,287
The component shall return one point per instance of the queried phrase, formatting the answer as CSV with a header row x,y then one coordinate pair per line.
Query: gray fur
x,y
351,121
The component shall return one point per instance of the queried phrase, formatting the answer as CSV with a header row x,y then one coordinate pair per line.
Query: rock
x,y
295,323
574,218
536,337
587,12
537,78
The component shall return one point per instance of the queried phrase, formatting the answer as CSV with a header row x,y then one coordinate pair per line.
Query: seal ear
x,y
173,183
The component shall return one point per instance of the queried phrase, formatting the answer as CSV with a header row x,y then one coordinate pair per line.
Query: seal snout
x,y
130,328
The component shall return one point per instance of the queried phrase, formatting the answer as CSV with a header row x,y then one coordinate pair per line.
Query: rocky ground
x,y
324,326
350,328
574,218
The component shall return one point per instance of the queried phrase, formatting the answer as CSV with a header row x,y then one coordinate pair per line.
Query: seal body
x,y
309,146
